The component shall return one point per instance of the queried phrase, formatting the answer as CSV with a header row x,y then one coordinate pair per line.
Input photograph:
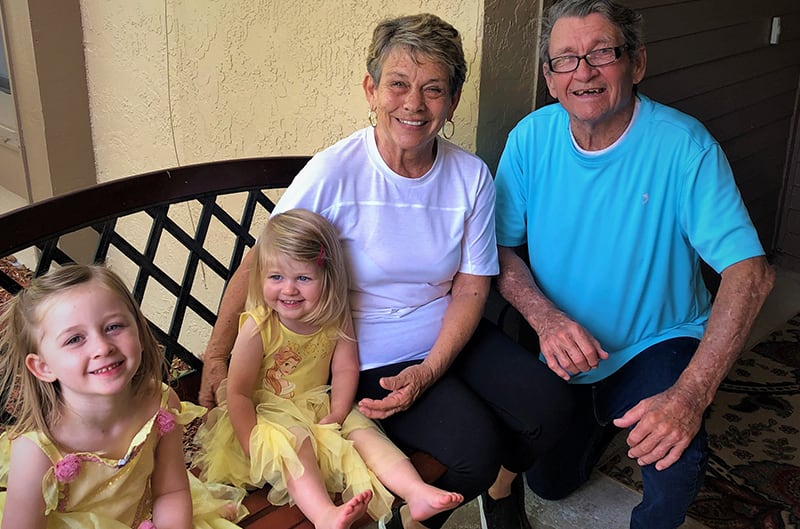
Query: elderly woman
x,y
416,217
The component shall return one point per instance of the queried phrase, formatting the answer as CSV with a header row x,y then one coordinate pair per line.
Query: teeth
x,y
413,123
106,369
590,91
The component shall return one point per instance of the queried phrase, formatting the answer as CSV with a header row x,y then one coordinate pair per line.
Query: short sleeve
x,y
713,215
511,203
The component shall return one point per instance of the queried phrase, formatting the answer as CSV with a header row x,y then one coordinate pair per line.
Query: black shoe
x,y
505,513
395,522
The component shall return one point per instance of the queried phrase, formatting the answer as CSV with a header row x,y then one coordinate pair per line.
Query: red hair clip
x,y
321,256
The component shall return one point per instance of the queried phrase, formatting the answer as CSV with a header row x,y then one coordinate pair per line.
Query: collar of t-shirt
x,y
613,145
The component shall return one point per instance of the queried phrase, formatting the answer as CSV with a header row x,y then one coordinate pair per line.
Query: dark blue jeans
x,y
667,493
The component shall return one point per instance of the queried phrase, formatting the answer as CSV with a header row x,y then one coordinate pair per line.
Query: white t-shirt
x,y
405,238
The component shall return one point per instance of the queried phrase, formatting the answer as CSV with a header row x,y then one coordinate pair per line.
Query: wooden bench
x,y
176,236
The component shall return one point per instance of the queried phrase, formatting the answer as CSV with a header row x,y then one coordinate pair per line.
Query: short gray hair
x,y
628,21
423,35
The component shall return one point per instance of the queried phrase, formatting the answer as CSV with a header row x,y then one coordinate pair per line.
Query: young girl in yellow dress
x,y
279,422
97,437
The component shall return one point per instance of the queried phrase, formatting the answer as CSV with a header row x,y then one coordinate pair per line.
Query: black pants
x,y
496,405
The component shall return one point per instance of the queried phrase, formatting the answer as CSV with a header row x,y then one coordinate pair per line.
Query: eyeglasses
x,y
601,57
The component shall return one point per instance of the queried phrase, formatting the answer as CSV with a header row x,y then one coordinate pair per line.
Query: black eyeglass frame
x,y
618,50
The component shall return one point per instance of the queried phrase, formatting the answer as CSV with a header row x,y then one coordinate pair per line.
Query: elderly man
x,y
618,198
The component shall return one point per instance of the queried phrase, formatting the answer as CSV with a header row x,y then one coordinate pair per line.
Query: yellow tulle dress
x,y
88,491
290,400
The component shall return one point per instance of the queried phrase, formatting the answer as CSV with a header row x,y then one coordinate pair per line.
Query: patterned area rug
x,y
17,271
753,479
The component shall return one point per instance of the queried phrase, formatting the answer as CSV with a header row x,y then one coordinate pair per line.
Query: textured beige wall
x,y
177,82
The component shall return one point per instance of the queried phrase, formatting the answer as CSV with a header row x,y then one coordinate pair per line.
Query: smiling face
x,y
88,342
412,102
292,289
599,100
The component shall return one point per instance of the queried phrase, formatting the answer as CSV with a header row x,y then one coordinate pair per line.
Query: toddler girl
x,y
279,422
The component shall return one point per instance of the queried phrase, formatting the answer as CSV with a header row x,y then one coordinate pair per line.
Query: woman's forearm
x,y
469,294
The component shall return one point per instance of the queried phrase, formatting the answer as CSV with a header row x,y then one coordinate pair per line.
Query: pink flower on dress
x,y
147,524
67,468
165,421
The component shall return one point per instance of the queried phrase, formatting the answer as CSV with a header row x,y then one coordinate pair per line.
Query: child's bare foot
x,y
428,500
348,513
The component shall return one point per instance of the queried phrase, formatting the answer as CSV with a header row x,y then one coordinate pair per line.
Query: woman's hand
x,y
215,370
405,388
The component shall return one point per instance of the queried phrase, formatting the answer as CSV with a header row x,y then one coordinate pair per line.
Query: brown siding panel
x,y
712,59
699,48
752,172
680,84
732,97
755,142
670,20
761,113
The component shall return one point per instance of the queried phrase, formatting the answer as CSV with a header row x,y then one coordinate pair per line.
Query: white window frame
x,y
9,136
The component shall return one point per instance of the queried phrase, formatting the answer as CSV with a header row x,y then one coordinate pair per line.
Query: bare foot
x,y
428,500
348,513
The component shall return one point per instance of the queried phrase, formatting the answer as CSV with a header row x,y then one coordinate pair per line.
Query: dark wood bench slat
x,y
78,209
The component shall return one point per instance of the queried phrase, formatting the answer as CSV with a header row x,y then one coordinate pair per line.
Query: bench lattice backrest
x,y
169,233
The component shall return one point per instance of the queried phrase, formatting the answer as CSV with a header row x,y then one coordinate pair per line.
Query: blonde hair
x,y
36,404
307,237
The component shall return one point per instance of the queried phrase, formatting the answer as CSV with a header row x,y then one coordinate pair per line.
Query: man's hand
x,y
405,388
215,370
665,424
567,347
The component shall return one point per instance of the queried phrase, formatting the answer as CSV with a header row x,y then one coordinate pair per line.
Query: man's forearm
x,y
460,321
742,292
516,284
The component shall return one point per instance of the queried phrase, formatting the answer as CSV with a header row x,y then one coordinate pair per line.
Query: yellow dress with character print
x,y
88,491
290,400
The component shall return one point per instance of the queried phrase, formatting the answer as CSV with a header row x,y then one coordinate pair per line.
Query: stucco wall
x,y
176,82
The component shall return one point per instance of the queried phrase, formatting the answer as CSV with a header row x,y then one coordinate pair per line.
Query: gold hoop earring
x,y
452,129
372,117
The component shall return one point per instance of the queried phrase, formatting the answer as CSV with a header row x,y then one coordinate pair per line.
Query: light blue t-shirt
x,y
615,239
